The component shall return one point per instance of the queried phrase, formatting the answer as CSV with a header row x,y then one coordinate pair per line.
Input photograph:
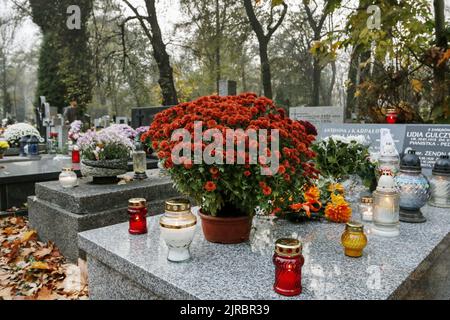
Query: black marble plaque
x,y
429,141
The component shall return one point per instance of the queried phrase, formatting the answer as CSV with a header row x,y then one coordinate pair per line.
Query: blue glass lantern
x,y
23,144
413,187
33,146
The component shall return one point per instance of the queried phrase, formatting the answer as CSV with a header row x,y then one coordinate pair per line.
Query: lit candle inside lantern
x,y
386,207
391,116
366,208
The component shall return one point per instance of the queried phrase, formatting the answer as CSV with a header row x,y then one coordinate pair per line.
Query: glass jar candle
x,y
354,240
413,187
137,210
68,178
139,162
391,116
75,154
386,207
178,226
366,208
288,261
33,146
440,183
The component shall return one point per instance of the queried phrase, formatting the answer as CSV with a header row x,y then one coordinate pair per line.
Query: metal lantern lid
x,y
354,226
137,203
442,165
411,162
138,145
179,205
367,199
288,247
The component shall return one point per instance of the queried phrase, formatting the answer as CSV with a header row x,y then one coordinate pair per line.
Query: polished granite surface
x,y
246,271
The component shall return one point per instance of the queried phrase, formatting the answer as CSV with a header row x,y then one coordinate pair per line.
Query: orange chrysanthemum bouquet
x,y
247,182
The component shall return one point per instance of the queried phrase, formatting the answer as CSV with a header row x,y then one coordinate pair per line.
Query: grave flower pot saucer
x,y
104,171
228,230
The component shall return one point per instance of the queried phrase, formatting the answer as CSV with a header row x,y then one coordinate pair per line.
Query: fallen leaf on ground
x,y
28,236
40,265
42,253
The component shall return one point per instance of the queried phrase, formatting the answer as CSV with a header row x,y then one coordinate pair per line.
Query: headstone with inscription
x,y
318,115
430,142
370,131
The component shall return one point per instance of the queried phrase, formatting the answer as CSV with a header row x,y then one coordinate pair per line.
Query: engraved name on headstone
x,y
429,141
318,115
370,131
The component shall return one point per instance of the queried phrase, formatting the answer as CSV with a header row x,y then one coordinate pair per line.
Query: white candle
x,y
68,181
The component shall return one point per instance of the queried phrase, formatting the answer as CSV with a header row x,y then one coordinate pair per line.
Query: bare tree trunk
x,y
265,70
161,56
351,89
317,75
442,42
328,97
263,40
218,42
4,85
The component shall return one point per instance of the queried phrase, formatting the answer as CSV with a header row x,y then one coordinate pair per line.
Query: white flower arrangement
x,y
15,132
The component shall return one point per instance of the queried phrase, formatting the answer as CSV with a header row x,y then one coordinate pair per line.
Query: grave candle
x,y
386,207
75,155
366,208
440,183
137,209
139,162
288,261
354,240
391,116
68,179
177,227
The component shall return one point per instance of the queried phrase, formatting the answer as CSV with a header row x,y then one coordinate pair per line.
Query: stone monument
x,y
58,214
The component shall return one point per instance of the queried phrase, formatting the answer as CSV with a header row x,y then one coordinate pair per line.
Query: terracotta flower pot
x,y
226,230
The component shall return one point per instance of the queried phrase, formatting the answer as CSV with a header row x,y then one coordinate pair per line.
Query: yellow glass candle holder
x,y
354,240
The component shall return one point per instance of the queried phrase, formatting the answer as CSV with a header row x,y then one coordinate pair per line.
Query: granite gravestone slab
x,y
122,266
370,131
58,214
144,116
318,115
227,88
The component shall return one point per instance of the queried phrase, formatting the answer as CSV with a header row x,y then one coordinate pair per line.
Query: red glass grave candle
x,y
75,155
391,116
137,209
288,260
